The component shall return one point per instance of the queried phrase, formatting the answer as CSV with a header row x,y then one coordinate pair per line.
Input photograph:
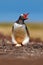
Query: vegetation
x,y
35,29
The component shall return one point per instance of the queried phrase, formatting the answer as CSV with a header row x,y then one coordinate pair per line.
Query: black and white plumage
x,y
18,26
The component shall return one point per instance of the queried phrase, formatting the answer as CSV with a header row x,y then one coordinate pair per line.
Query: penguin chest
x,y
19,32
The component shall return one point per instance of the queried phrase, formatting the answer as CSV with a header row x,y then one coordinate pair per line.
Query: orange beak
x,y
25,16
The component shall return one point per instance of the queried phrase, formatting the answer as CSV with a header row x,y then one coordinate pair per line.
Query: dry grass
x,y
5,30
35,29
36,34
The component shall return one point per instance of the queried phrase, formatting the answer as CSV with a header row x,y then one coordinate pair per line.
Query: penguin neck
x,y
20,21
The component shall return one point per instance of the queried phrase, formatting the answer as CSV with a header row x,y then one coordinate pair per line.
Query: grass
x,y
35,29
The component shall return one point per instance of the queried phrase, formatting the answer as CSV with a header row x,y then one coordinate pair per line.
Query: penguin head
x,y
23,17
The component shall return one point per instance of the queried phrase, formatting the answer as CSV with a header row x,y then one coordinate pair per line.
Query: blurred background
x,y
10,10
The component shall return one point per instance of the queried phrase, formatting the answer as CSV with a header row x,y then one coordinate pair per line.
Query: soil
x,y
31,54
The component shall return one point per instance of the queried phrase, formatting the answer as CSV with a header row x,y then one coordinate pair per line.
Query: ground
x,y
32,54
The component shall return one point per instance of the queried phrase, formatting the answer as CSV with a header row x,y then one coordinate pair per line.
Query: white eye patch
x,y
21,14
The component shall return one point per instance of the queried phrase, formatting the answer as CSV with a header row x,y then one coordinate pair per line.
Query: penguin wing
x,y
27,30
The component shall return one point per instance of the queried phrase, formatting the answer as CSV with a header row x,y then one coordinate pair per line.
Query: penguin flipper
x,y
27,31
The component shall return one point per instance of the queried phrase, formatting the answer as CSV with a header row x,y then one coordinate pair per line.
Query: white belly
x,y
20,34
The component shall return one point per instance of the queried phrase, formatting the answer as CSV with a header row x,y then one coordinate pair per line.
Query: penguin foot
x,y
22,44
18,45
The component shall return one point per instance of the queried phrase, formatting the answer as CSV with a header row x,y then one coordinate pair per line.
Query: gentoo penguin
x,y
20,33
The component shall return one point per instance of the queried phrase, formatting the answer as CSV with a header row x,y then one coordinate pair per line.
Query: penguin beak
x,y
25,16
